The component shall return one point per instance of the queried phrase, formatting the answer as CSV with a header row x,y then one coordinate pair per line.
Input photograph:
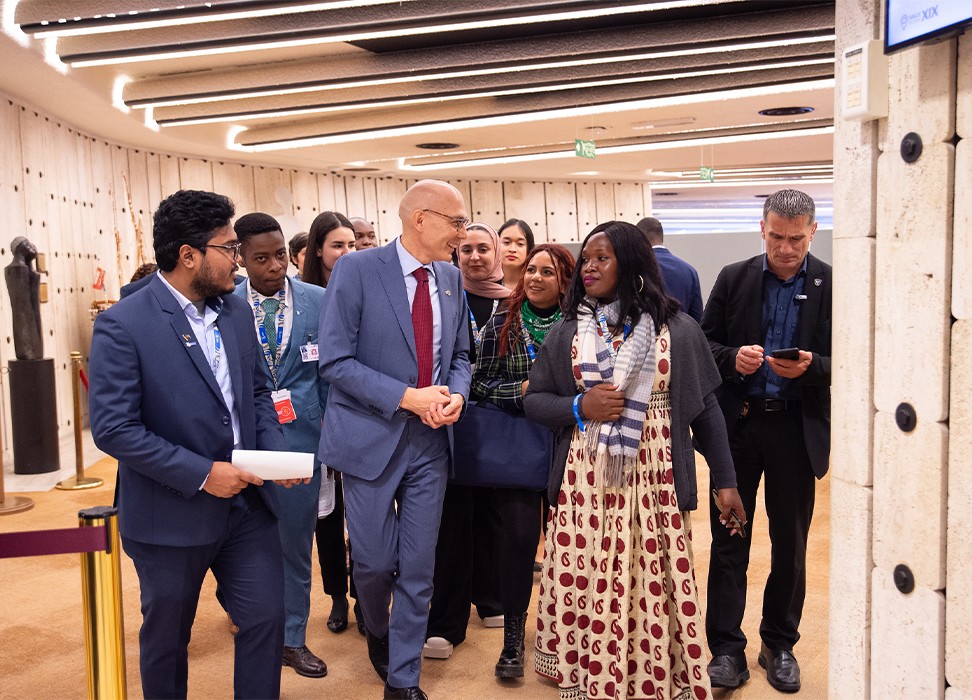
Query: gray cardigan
x,y
550,396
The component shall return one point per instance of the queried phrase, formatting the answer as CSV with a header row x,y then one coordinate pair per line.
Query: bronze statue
x,y
23,286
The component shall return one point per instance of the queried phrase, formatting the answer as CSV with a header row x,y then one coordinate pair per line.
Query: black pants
x,y
466,569
520,518
331,552
768,444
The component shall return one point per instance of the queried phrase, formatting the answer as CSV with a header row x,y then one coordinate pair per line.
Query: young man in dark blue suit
x,y
177,382
286,313
681,279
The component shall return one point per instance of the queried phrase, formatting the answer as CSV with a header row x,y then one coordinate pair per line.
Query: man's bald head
x,y
434,220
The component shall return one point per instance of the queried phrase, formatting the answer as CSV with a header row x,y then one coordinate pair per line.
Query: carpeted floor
x,y
42,643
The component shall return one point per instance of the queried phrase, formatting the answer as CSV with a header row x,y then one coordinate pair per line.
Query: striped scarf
x,y
614,444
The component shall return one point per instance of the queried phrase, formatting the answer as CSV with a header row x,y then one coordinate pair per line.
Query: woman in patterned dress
x,y
621,379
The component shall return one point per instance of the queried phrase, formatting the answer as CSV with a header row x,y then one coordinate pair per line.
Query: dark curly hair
x,y
188,217
640,286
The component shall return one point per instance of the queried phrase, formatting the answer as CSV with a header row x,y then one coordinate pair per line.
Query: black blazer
x,y
733,318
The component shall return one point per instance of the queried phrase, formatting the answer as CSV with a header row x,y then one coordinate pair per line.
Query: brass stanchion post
x,y
10,504
79,481
103,619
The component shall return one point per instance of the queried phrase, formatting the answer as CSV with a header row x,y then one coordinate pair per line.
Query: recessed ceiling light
x,y
761,196
595,128
664,194
785,111
437,146
659,123
359,170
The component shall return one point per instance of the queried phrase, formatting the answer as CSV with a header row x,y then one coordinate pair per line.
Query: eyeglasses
x,y
459,222
233,248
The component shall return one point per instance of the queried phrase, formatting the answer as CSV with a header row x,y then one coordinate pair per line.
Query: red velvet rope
x,y
84,378
43,542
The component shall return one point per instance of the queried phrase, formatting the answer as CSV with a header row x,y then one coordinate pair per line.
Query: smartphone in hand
x,y
734,520
786,354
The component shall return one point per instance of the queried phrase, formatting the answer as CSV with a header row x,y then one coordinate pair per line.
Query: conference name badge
x,y
284,406
308,353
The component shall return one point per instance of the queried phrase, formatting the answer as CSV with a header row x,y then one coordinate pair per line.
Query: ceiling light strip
x,y
439,98
105,58
634,105
156,19
415,76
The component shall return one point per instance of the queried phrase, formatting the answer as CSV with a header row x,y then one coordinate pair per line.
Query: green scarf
x,y
537,326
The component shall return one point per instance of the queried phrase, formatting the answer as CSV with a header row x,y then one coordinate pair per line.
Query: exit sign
x,y
584,149
707,174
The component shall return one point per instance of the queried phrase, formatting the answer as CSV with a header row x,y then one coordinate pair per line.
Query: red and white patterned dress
x,y
619,614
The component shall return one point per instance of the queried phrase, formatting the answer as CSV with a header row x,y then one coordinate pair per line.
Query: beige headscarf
x,y
489,288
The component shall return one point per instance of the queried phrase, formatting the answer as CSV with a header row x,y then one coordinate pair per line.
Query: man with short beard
x,y
177,383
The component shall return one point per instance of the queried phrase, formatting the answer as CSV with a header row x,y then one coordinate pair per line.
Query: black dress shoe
x,y
728,671
304,662
378,654
337,621
413,693
782,669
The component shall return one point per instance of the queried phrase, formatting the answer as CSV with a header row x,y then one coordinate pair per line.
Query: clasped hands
x,y
750,357
225,480
433,404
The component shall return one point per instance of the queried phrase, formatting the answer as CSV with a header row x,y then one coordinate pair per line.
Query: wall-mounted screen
x,y
909,22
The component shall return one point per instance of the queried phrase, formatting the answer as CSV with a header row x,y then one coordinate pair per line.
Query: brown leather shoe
x,y
304,662
413,693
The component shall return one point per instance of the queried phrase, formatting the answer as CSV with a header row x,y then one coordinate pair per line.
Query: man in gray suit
x,y
286,313
396,359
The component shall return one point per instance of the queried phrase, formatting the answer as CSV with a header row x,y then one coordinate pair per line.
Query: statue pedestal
x,y
33,416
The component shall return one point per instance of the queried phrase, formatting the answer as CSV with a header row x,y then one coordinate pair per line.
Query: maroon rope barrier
x,y
43,542
84,379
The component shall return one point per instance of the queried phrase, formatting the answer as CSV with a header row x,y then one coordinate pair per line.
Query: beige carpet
x,y
42,643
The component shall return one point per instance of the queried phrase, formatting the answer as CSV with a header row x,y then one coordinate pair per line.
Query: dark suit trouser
x,y
331,551
248,565
770,445
393,522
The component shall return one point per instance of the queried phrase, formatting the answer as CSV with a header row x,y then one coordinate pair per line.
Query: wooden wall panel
x,y
387,224
526,201
604,203
354,190
169,175
306,198
124,218
561,210
140,210
586,208
371,203
327,200
485,202
629,202
195,174
236,182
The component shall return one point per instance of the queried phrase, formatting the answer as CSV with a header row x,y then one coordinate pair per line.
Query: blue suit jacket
x,y
681,281
369,356
308,392
155,406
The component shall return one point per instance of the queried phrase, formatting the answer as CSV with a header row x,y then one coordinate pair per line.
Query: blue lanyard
x,y
218,344
528,341
273,361
606,333
477,333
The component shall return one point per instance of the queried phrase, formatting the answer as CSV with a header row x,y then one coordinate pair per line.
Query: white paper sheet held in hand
x,y
270,465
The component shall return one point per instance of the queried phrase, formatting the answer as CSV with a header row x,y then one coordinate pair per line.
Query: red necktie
x,y
422,327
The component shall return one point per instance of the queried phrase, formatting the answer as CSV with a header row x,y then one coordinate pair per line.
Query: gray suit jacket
x,y
550,396
368,356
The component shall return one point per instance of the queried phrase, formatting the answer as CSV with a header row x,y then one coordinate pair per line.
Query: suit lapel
x,y
393,282
448,300
753,303
187,339
231,350
811,307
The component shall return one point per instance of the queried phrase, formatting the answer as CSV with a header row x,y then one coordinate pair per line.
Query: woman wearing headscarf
x,y
464,561
621,380
509,347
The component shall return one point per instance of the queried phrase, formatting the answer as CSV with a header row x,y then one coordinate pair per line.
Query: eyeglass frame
x,y
234,248
460,222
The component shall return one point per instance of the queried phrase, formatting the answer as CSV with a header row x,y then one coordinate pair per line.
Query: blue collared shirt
x,y
409,265
781,312
203,325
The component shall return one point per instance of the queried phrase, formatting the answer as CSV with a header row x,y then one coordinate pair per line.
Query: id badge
x,y
308,353
284,406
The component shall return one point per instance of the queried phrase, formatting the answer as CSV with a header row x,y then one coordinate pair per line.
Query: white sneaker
x,y
437,648
493,621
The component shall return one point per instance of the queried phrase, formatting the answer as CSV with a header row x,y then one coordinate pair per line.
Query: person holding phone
x,y
768,325
621,379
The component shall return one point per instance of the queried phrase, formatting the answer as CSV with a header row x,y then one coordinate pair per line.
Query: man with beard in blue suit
x,y
286,313
177,383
